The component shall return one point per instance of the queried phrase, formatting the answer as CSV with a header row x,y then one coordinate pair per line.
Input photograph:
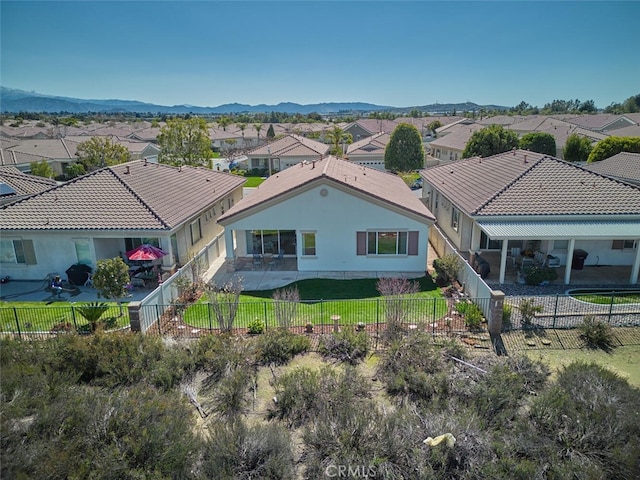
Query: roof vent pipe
x,y
126,170
525,158
313,165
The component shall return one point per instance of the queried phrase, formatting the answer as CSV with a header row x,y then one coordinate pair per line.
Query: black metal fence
x,y
618,309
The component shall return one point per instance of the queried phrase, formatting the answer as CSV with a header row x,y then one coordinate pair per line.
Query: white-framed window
x,y
83,251
624,244
17,250
230,202
308,244
455,218
210,214
221,208
387,243
196,231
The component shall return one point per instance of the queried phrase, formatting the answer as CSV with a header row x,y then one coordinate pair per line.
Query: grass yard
x,y
31,317
353,300
619,298
625,361
253,182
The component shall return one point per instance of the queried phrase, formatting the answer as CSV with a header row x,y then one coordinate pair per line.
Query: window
x,y
623,245
308,244
387,243
17,251
83,250
131,243
271,241
455,218
561,244
230,200
210,214
487,243
196,232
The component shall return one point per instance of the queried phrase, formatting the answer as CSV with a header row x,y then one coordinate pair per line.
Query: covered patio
x,y
588,275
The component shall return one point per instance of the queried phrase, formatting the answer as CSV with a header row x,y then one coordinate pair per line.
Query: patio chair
x,y
280,259
257,261
514,255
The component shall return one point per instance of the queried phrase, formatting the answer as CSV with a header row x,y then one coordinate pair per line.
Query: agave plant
x,y
92,313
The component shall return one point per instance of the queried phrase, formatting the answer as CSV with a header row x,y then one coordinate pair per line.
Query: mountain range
x,y
15,100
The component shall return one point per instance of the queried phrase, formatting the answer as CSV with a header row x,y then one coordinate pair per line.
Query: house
x,y
15,185
369,152
451,142
331,215
113,210
521,199
59,153
623,166
285,152
365,127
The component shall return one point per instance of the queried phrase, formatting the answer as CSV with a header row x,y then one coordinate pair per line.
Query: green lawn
x,y
41,317
604,299
353,300
253,181
625,361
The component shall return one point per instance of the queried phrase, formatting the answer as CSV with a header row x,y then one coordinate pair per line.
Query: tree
x,y
576,148
110,278
99,152
433,126
224,122
613,145
404,151
242,127
185,142
489,141
539,142
270,132
42,169
74,170
337,137
258,127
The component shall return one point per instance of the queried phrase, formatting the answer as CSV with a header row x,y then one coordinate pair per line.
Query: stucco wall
x,y
336,217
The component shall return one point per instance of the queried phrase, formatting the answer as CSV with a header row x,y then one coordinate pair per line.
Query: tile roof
x,y
44,149
24,184
131,196
457,139
594,122
504,185
379,186
624,166
289,146
376,143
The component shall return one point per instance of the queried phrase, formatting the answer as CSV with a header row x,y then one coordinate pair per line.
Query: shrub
x,y
447,268
255,327
528,310
535,275
285,306
345,346
596,334
279,346
473,316
235,450
507,310
92,313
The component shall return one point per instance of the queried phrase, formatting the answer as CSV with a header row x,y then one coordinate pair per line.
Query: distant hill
x,y
14,100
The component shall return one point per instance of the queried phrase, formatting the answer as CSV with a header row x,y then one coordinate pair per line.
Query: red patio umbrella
x,y
145,253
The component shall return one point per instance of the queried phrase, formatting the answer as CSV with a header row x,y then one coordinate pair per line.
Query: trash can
x,y
579,257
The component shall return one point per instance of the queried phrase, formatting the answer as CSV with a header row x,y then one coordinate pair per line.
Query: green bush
x,y
596,334
346,346
473,316
279,346
535,275
255,327
507,311
447,268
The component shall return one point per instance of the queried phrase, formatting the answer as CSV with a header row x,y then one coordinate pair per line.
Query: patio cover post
x,y
636,265
229,250
567,271
503,259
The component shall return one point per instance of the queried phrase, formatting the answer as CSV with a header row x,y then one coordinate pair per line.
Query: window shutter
x,y
29,252
413,243
361,244
617,245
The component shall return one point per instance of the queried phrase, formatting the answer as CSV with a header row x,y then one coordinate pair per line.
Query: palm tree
x,y
338,138
224,122
258,127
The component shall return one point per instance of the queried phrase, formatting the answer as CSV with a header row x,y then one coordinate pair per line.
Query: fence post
x,y
134,317
15,315
73,317
209,315
613,297
495,312
265,312
555,310
322,314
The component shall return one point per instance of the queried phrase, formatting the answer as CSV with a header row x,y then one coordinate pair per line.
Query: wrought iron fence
x,y
49,320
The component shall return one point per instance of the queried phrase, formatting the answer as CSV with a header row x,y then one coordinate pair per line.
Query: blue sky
x,y
208,53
